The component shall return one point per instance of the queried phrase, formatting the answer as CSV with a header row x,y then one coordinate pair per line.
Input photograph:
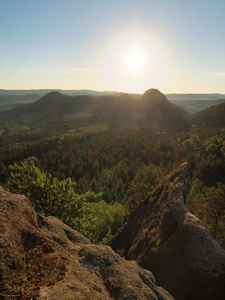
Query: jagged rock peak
x,y
52,261
162,236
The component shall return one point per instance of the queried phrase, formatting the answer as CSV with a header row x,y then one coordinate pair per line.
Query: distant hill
x,y
119,109
116,110
50,107
152,109
213,116
11,106
189,103
193,106
185,97
10,98
172,96
193,103
18,99
42,92
160,110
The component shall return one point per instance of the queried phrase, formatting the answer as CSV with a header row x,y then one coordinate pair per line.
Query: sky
x,y
88,44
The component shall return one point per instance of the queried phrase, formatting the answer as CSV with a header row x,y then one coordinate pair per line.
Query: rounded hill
x,y
214,116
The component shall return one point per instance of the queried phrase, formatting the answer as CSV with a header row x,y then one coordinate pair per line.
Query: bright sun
x,y
135,59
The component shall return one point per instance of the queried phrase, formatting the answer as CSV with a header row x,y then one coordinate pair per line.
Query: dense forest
x,y
92,175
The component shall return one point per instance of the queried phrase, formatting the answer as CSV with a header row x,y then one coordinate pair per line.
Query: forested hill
x,y
213,116
160,110
118,109
153,108
192,103
50,107
195,97
128,110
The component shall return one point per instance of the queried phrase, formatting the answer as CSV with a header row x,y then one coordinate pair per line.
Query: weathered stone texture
x,y
86,271
162,236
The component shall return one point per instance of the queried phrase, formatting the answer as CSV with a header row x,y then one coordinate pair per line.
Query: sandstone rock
x,y
42,258
162,236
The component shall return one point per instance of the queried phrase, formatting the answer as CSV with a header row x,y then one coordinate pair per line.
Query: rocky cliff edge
x,y
162,236
42,258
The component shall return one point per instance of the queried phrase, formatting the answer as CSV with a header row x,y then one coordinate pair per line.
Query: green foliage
x,y
85,212
110,166
101,220
145,181
214,207
208,204
49,195
2,172
213,116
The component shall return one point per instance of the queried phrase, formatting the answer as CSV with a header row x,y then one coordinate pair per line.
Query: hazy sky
x,y
84,44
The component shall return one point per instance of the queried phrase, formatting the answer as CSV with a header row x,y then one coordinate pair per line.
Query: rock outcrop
x,y
42,258
162,236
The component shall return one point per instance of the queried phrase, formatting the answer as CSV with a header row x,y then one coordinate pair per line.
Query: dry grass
x,y
42,270
113,289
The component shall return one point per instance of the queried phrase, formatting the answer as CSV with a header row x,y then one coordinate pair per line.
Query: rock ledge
x,y
42,258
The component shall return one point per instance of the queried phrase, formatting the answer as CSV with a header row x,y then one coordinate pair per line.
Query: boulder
x,y
42,258
162,236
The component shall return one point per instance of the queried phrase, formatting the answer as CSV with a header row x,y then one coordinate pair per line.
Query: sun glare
x,y
135,60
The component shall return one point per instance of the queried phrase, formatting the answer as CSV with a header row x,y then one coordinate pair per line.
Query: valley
x,y
112,151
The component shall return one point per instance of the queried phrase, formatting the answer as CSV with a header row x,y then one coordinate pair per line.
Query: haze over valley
x,y
31,108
